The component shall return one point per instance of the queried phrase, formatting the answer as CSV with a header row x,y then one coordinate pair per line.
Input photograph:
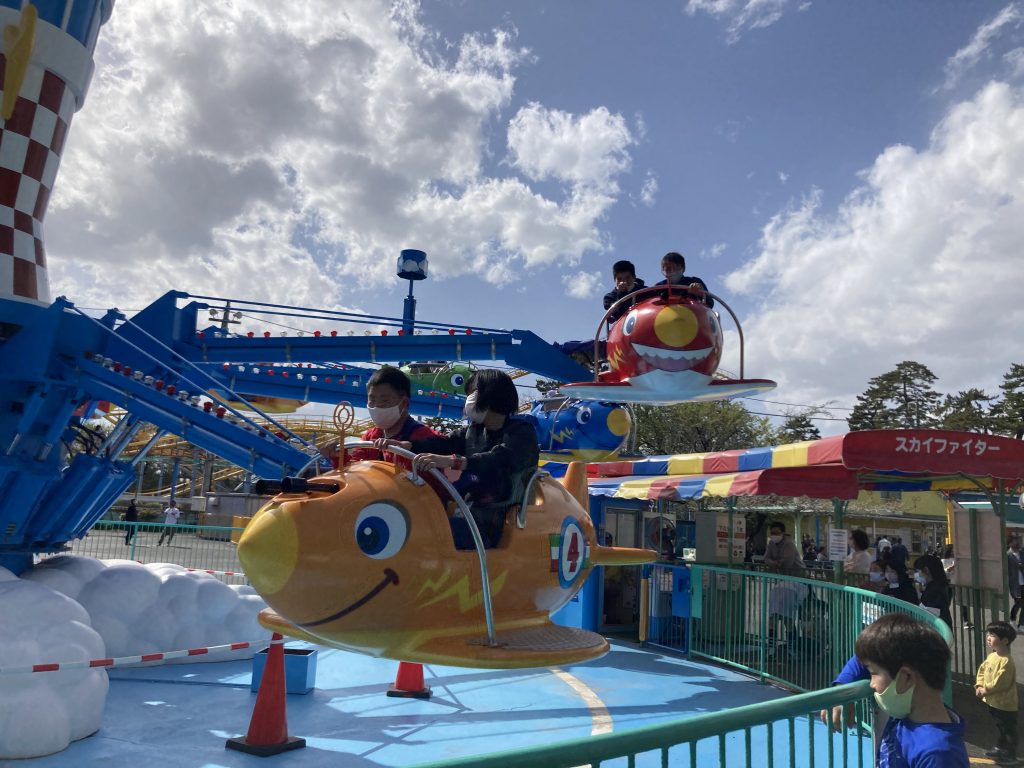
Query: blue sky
x,y
846,175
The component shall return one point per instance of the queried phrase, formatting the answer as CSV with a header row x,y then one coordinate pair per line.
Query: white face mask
x,y
894,579
385,417
775,539
895,704
875,576
471,412
919,578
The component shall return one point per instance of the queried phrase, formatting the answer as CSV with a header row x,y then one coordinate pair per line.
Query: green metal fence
x,y
202,547
972,609
791,631
775,733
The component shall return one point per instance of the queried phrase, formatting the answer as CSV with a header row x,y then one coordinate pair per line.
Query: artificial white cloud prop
x,y
73,608
43,713
158,607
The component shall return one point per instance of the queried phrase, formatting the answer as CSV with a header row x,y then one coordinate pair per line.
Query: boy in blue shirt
x,y
908,662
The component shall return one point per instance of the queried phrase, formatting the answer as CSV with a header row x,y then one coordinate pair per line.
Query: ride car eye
x,y
630,323
458,380
583,415
381,530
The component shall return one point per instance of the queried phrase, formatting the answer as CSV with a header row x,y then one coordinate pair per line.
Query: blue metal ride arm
x,y
321,385
177,328
249,447
531,353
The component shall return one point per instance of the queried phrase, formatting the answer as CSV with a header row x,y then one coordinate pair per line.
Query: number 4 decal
x,y
572,552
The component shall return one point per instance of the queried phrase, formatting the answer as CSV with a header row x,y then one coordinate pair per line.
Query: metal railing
x,y
792,631
784,732
972,609
201,547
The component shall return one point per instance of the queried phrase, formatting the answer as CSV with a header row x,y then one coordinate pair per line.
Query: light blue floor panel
x,y
180,715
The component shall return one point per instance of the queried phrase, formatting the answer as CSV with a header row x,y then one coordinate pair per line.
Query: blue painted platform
x,y
180,715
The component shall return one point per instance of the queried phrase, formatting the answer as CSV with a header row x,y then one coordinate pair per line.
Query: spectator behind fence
x,y
859,560
876,578
171,515
898,553
781,554
996,685
899,584
1015,574
936,594
131,516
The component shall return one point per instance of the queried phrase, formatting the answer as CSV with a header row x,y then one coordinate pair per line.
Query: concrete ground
x,y
179,716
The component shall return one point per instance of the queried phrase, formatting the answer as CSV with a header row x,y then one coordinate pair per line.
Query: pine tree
x,y
797,428
903,398
1008,413
967,411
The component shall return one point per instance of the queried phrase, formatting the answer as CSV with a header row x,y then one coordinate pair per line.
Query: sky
x,y
847,176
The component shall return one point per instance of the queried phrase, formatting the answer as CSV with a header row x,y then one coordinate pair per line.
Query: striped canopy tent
x,y
832,468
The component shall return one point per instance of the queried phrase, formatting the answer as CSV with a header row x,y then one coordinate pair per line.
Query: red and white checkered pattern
x,y
31,143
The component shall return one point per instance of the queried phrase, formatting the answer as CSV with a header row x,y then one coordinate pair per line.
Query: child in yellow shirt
x,y
996,685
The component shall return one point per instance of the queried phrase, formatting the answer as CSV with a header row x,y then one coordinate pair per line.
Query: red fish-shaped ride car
x,y
663,351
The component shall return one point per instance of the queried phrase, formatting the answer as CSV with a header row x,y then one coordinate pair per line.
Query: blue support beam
x,y
321,385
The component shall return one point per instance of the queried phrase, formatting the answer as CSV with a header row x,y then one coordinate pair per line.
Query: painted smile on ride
x,y
390,577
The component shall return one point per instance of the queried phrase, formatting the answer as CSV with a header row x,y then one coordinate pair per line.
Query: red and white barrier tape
x,y
217,573
123,661
203,570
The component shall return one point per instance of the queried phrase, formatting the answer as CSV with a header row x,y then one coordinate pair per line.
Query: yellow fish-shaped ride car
x,y
364,560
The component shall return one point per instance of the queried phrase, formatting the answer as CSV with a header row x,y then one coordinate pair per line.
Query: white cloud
x,y
714,252
743,15
649,191
1015,62
783,177
587,151
582,285
980,43
920,263
291,152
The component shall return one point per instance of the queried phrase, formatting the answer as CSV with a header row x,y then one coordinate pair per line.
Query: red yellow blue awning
x,y
834,467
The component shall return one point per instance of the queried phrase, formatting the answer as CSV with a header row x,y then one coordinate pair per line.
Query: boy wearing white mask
x,y
495,455
908,662
387,399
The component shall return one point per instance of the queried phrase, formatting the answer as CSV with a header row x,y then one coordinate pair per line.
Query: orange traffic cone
x,y
268,728
409,682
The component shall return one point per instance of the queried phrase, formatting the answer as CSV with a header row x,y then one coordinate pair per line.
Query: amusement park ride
x,y
162,367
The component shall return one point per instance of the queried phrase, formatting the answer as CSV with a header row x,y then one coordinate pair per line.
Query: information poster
x,y
837,545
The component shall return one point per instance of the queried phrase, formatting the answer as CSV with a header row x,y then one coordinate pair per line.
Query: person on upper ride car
x,y
496,454
387,399
673,265
626,282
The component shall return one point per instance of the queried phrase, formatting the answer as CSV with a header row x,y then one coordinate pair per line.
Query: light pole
x,y
412,266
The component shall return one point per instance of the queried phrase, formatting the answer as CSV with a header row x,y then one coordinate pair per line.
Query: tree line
x,y
903,398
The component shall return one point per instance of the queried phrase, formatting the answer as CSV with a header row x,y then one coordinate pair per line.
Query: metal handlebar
x,y
655,289
463,509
